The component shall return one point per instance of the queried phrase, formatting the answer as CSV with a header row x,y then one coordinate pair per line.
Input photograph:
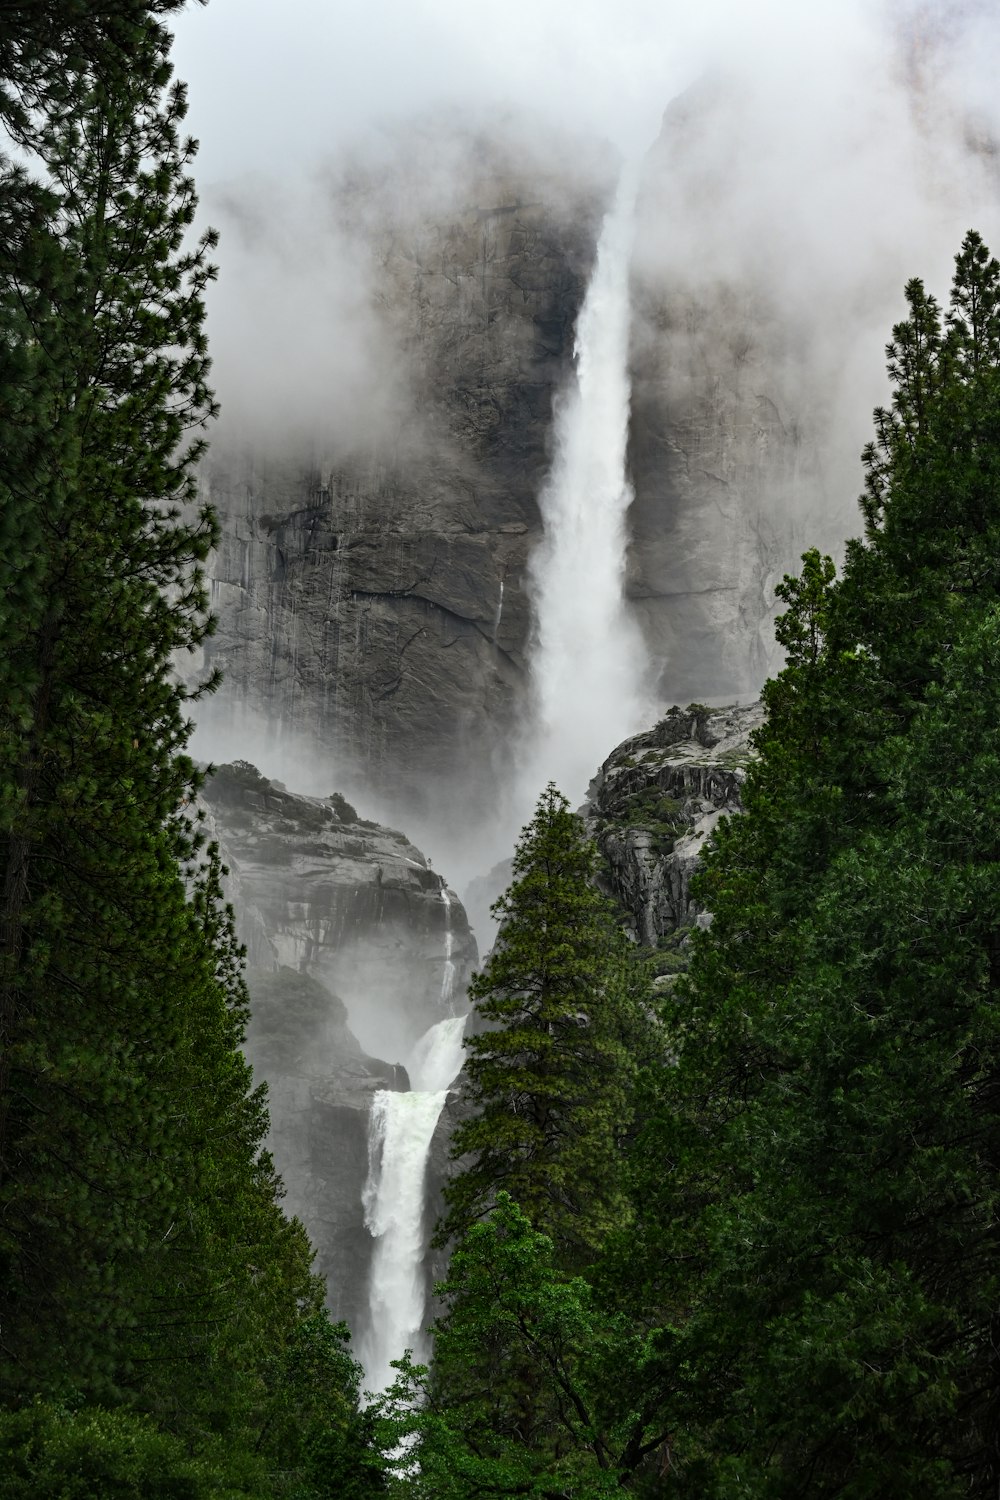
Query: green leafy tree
x,y
318,1440
549,1077
536,1389
58,1452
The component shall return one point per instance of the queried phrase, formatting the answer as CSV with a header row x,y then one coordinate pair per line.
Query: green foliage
x,y
50,1452
539,1385
658,814
319,1443
535,1389
148,1278
819,1176
550,1079
43,41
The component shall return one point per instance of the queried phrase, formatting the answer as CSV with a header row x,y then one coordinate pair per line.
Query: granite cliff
x,y
731,417
371,597
371,584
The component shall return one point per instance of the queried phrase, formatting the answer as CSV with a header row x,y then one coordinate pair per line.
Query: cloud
x,y
852,119
847,146
301,355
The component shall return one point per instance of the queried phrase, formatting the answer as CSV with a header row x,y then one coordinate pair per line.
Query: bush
x,y
51,1452
343,809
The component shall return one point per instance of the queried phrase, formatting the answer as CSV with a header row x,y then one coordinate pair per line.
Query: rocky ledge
x,y
654,803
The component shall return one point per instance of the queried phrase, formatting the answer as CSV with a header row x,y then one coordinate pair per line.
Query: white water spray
x,y
399,1141
589,663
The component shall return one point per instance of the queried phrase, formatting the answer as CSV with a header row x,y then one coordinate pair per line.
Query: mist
x,y
796,167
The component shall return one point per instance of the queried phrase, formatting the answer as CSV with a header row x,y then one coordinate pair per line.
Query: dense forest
x,y
734,1234
161,1331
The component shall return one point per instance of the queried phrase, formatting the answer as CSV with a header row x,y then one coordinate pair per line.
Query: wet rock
x,y
342,899
654,803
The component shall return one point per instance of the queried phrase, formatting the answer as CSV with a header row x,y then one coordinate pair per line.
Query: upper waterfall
x,y
588,662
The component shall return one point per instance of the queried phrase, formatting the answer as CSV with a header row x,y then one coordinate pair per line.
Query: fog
x,y
816,158
836,164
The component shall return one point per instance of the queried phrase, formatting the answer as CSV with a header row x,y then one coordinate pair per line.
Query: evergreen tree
x,y
144,1257
42,40
550,1077
819,1195
537,1385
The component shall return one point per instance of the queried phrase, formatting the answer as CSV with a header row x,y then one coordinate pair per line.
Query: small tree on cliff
x,y
550,1078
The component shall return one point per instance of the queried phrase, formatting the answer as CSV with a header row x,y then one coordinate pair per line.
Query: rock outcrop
x,y
655,801
354,953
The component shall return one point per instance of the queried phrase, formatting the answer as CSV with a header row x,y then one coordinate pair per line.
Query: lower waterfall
x,y
399,1141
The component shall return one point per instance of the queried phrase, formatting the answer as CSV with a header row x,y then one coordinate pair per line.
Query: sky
x,y
272,85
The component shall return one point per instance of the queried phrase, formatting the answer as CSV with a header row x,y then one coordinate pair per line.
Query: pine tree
x,y
538,1380
550,1078
820,1190
144,1257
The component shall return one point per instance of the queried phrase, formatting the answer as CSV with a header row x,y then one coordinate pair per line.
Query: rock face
x,y
354,953
655,801
758,330
371,601
371,580
320,1086
729,426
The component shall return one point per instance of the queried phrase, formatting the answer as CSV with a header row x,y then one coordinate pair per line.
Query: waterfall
x,y
499,614
588,662
399,1141
448,971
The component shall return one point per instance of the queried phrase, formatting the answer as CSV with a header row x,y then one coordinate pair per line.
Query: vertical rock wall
x,y
728,432
371,601
370,584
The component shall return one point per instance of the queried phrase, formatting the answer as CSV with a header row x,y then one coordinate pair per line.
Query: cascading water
x,y
588,664
499,614
448,971
588,668
399,1141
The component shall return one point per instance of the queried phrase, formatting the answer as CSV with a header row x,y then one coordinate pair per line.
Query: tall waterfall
x,y
399,1141
588,663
